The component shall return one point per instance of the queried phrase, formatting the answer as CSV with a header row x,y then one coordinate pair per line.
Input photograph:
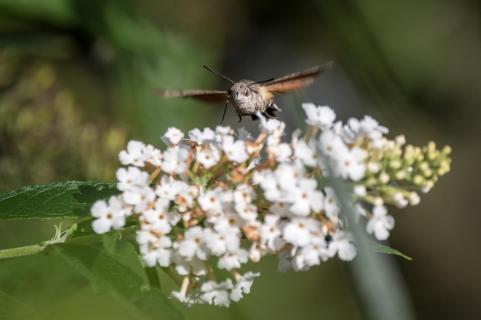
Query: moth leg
x,y
269,114
271,110
225,110
240,117
275,107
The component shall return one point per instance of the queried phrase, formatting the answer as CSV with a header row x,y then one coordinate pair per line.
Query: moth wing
x,y
210,96
297,80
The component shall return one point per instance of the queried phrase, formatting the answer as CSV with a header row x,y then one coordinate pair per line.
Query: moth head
x,y
240,89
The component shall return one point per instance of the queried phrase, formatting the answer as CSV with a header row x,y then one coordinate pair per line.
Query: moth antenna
x,y
219,74
259,82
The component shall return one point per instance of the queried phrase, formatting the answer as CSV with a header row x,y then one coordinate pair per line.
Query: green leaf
x,y
109,241
380,248
71,199
125,280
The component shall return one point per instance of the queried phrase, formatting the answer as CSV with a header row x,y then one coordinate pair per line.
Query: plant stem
x,y
39,247
21,251
153,277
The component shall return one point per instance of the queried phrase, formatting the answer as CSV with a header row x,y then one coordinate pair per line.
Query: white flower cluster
x,y
217,200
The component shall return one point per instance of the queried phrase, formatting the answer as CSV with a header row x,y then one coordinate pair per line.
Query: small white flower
x,y
173,136
282,152
193,244
185,196
288,174
371,127
152,155
360,190
159,217
223,131
168,188
227,223
272,127
243,285
234,150
131,178
305,198
157,220
208,156
305,152
380,223
134,154
201,137
331,144
270,233
140,198
154,248
399,200
299,231
367,127
342,244
350,164
255,253
248,212
109,215
216,293
233,259
174,160
211,201
310,255
268,182
219,243
244,194
164,257
321,117
188,300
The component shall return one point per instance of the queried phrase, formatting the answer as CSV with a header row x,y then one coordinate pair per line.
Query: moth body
x,y
249,97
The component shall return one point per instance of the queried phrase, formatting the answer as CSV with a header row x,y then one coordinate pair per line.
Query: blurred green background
x,y
77,80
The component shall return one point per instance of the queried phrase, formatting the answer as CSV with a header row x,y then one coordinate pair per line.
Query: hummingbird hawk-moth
x,y
249,97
